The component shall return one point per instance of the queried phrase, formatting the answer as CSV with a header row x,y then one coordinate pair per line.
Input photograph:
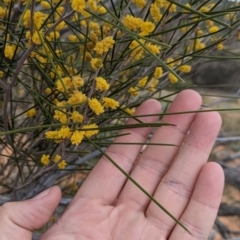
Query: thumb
x,y
19,219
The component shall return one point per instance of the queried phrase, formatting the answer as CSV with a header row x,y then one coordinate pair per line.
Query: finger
x,y
105,180
202,209
19,219
176,187
155,160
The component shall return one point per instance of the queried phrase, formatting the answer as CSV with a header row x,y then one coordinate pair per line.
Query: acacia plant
x,y
72,72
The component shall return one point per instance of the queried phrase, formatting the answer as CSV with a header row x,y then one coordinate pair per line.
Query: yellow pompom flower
x,y
170,62
154,82
45,4
60,115
60,26
36,38
106,27
158,72
101,84
45,159
229,16
132,23
204,9
213,29
76,117
172,78
65,132
62,164
139,3
64,84
185,10
96,63
151,89
130,111
26,18
185,68
52,135
67,82
77,137
142,82
73,38
137,54
134,44
172,8
184,29
199,45
94,38
94,25
200,32
77,81
57,158
60,10
110,103
104,45
9,51
92,5
90,130
48,91
77,97
85,14
220,46
101,10
159,3
133,91
153,48
60,104
210,23
31,113
155,12
78,5
95,106
147,27
38,19
83,23
41,59
58,52
2,12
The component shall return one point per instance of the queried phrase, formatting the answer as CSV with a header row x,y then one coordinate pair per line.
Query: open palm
x,y
110,207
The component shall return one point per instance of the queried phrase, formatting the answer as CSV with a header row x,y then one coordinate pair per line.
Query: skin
x,y
108,207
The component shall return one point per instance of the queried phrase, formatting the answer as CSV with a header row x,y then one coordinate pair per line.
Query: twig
x,y
228,210
223,229
3,85
48,179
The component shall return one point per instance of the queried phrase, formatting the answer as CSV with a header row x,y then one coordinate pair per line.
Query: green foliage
x,y
71,72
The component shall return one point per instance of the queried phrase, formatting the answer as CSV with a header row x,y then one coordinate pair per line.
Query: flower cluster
x,y
61,163
104,45
71,109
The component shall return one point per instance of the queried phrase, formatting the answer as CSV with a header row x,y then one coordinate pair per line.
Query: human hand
x,y
108,206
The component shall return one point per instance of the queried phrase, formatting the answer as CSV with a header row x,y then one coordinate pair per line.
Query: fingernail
x,y
42,194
